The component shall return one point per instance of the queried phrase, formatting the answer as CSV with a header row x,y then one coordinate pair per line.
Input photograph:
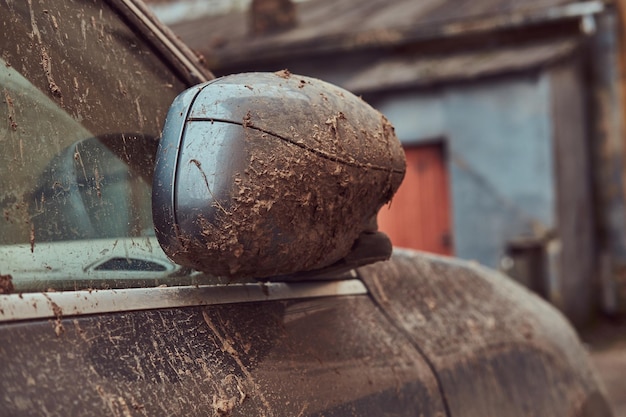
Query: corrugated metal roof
x,y
346,24
410,71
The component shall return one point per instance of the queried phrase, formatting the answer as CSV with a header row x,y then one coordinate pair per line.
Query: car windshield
x,y
83,99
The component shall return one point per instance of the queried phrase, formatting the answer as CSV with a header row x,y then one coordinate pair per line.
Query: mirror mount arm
x,y
370,247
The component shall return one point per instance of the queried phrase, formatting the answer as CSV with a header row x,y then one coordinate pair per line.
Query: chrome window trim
x,y
62,304
163,35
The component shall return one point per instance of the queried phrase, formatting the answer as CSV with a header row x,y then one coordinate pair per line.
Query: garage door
x,y
419,214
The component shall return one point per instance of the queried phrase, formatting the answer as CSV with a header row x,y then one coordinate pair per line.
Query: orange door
x,y
418,217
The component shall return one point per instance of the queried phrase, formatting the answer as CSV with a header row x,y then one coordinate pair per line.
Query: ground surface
x,y
607,344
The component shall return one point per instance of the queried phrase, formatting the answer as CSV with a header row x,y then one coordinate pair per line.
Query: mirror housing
x,y
268,174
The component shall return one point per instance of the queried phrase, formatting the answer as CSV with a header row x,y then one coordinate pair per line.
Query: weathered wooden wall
x,y
574,288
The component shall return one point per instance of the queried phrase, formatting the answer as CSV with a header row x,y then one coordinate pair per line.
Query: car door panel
x,y
331,356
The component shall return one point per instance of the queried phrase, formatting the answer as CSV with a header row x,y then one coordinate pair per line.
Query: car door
x,y
330,354
94,318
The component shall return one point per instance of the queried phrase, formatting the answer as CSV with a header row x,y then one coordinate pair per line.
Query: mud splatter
x,y
283,74
58,314
303,410
78,158
223,407
11,110
246,120
206,183
46,64
55,24
121,88
227,405
116,404
98,180
33,22
6,284
9,101
31,238
222,404
140,118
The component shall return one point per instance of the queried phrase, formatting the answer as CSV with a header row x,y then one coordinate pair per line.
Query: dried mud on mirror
x,y
316,174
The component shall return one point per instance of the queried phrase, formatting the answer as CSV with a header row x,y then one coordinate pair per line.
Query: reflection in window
x,y
130,264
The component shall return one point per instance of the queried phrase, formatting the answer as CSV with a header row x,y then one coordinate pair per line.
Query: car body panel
x,y
330,356
494,344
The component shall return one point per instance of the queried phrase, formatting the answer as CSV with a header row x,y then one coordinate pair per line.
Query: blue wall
x,y
500,156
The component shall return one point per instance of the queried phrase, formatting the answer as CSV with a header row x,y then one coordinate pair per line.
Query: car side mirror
x,y
268,174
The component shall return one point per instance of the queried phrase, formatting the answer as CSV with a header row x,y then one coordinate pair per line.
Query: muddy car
x,y
173,244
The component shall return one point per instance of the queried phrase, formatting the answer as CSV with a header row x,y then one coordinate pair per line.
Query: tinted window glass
x,y
83,100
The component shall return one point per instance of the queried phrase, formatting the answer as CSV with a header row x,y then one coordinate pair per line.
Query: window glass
x,y
83,100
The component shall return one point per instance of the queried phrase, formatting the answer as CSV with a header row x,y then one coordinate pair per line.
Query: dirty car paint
x,y
333,357
493,344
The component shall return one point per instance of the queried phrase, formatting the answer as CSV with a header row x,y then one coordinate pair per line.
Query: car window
x,y
83,99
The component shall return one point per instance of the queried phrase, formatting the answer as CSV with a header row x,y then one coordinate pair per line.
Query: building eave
x,y
238,49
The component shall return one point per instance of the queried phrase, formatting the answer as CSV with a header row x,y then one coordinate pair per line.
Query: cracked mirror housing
x,y
267,174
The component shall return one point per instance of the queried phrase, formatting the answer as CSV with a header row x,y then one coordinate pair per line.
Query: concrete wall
x,y
500,156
